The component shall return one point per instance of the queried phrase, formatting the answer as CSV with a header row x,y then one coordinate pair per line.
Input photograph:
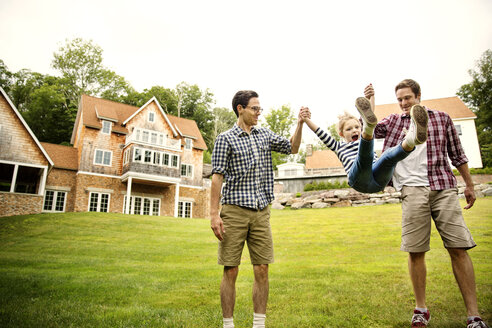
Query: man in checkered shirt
x,y
242,156
429,191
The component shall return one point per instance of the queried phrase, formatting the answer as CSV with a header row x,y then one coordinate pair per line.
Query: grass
x,y
334,267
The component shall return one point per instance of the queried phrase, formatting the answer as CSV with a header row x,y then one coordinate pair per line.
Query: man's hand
x,y
369,91
304,113
217,226
470,197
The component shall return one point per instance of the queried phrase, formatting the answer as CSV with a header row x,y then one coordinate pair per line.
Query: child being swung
x,y
366,173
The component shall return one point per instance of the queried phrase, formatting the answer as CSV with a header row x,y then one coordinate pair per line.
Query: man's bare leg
x,y
228,291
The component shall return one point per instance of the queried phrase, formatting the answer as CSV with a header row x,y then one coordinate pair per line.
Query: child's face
x,y
351,130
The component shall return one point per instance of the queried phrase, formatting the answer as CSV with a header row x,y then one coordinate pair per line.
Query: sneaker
x,y
420,319
476,323
418,126
363,105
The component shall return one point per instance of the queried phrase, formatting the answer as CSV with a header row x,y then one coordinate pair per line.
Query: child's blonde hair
x,y
342,119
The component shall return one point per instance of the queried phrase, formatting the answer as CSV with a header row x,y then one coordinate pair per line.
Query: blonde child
x,y
366,173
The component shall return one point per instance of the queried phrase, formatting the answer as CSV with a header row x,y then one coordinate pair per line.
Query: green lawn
x,y
335,267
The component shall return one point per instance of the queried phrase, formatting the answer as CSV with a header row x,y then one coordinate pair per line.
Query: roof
x,y
322,159
64,157
26,126
451,105
93,109
188,128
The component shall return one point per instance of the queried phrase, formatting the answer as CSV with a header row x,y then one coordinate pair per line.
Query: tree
x,y
166,97
23,84
195,104
478,96
224,119
332,129
80,64
48,115
5,77
280,121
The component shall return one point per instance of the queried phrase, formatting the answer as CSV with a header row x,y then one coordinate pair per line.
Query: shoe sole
x,y
364,107
420,118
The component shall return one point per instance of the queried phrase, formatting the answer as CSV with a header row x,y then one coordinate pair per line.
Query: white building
x,y
290,170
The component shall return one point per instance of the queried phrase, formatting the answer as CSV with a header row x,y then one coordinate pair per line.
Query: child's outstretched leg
x,y
369,119
417,133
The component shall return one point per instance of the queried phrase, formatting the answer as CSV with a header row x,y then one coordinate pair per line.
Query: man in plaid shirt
x,y
242,155
429,191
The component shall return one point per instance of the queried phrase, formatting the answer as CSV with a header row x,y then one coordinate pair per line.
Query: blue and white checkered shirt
x,y
245,160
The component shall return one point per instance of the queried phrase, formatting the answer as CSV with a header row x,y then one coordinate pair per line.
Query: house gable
x,y
141,119
154,105
15,135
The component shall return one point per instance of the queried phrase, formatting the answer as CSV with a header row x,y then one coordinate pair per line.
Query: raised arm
x,y
295,140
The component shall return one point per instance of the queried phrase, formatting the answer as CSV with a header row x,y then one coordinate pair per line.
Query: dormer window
x,y
151,116
106,127
188,144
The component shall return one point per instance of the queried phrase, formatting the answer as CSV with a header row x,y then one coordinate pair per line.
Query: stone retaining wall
x,y
350,197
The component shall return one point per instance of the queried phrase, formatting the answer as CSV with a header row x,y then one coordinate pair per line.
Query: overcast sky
x,y
319,54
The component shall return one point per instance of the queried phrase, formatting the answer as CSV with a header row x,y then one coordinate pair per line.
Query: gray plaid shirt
x,y
245,161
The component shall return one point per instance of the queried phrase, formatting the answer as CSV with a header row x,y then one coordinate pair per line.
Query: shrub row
x,y
325,186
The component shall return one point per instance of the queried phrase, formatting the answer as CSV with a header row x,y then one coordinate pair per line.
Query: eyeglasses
x,y
256,109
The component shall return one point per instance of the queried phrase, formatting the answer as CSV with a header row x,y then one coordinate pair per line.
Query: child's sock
x,y
369,130
423,310
228,322
259,320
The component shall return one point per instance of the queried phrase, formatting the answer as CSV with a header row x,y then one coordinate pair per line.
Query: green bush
x,y
486,170
325,185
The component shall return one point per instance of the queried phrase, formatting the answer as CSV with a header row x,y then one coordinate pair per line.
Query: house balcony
x,y
153,138
151,170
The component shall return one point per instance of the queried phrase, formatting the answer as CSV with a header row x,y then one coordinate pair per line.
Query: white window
x,y
153,138
188,144
137,157
174,160
98,202
151,116
165,160
143,205
147,156
184,209
20,178
161,139
106,127
126,156
145,136
137,135
157,158
458,129
187,170
103,157
54,201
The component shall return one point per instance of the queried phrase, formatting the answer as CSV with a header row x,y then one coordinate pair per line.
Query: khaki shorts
x,y
242,224
419,205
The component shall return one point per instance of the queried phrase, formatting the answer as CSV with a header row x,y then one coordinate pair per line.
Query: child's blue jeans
x,y
368,177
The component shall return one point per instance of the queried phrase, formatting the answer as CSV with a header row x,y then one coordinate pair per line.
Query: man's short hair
x,y
242,98
409,83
